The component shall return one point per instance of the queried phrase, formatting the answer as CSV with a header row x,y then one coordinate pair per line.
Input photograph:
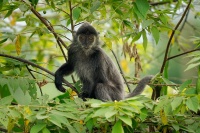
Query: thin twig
x,y
70,15
169,58
122,73
34,78
41,68
170,39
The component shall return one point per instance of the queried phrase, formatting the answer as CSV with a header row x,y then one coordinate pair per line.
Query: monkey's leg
x,y
108,92
101,92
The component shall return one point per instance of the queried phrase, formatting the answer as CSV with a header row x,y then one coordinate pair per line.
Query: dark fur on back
x,y
98,74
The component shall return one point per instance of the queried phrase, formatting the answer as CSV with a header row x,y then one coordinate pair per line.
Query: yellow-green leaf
x,y
18,44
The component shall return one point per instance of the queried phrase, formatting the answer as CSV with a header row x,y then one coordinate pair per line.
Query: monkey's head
x,y
87,36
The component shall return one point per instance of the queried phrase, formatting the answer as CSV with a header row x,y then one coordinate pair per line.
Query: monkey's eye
x,y
91,38
81,37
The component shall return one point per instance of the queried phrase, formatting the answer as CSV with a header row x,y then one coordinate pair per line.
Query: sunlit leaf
x,y
117,128
192,103
176,102
126,120
38,127
143,6
95,5
76,13
18,44
184,85
155,33
144,40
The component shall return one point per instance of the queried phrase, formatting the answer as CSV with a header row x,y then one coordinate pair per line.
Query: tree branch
x,y
122,73
34,78
170,39
41,68
169,58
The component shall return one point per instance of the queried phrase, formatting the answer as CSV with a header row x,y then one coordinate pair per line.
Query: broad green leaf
x,y
163,18
137,37
38,127
144,40
155,33
184,85
137,12
95,6
143,114
175,126
55,121
193,103
176,102
110,113
6,100
147,23
117,128
45,130
23,7
143,6
21,98
76,13
126,120
102,111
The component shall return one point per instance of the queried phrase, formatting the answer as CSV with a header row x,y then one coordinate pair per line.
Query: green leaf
x,y
137,37
126,120
144,39
175,126
2,41
102,111
155,33
143,7
45,130
95,6
76,13
21,98
38,127
192,66
193,103
147,23
184,85
198,82
54,120
143,114
117,128
110,113
128,23
176,102
6,100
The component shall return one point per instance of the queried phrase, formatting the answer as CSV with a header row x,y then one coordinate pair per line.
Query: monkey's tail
x,y
140,87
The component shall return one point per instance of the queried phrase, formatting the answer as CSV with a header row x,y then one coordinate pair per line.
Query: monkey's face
x,y
87,41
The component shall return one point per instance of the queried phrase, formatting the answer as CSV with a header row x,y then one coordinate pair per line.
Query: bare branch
x,y
34,78
122,73
170,39
169,58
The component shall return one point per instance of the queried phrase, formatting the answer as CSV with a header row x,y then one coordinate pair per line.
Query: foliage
x,y
34,34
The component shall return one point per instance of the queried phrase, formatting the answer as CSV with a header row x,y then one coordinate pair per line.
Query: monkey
x,y
99,76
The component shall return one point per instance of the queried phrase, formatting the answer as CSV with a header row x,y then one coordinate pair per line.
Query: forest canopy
x,y
142,37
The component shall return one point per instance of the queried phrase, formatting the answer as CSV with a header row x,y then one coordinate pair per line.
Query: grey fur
x,y
98,74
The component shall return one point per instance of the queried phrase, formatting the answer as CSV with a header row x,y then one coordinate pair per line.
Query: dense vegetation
x,y
157,37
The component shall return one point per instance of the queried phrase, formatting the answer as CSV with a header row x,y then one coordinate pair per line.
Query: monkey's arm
x,y
65,69
140,87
